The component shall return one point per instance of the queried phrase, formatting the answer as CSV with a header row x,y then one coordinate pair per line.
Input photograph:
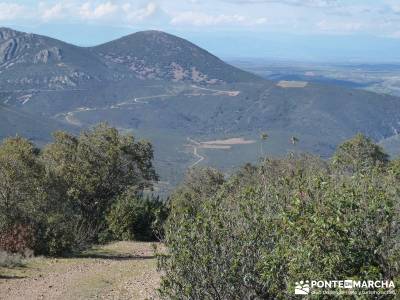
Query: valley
x,y
199,150
182,91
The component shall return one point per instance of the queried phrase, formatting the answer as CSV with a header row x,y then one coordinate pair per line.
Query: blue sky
x,y
338,30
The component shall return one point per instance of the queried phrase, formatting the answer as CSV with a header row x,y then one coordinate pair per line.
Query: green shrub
x,y
359,154
199,183
293,220
11,260
95,168
57,236
134,217
55,201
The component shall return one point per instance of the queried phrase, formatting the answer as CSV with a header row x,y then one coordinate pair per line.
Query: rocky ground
x,y
123,270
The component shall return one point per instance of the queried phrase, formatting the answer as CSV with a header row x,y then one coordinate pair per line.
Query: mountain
x,y
158,55
30,61
194,107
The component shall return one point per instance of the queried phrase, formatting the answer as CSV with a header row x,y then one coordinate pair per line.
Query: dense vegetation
x,y
254,235
249,236
68,194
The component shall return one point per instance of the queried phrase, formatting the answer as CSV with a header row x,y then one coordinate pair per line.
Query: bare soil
x,y
123,270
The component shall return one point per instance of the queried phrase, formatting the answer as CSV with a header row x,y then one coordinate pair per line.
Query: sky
x,y
320,30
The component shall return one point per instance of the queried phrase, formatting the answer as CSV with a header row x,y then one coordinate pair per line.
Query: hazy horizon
x,y
308,30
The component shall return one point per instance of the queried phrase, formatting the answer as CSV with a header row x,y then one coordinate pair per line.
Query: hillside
x,y
35,127
392,145
162,56
168,90
35,62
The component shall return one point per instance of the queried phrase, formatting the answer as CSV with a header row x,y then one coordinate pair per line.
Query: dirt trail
x,y
199,157
124,270
71,118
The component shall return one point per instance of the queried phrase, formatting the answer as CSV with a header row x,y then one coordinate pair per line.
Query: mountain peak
x,y
154,54
151,32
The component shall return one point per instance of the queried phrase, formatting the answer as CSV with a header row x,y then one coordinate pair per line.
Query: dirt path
x,y
71,119
199,157
123,270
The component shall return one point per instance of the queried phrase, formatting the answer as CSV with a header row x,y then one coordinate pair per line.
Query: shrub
x,y
134,217
55,201
11,260
199,183
97,167
359,154
22,190
18,239
57,236
294,220
394,168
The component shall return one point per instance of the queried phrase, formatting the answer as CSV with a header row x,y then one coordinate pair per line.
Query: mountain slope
x,y
164,88
30,61
35,127
158,55
392,145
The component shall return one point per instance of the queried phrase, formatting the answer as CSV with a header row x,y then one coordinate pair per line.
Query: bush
x,y
11,260
57,236
359,154
134,217
293,220
55,201
97,167
18,239
199,183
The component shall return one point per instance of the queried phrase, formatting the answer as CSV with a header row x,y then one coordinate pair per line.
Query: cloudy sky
x,y
288,29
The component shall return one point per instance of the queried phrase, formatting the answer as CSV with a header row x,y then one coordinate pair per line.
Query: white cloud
x,y
203,19
125,12
309,3
377,17
92,12
340,26
133,14
53,12
393,6
12,11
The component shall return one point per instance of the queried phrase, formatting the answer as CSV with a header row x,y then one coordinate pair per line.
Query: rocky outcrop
x,y
43,56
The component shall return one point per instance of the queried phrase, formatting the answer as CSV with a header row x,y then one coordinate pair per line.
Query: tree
x,y
359,154
263,136
55,201
198,185
97,167
22,187
135,217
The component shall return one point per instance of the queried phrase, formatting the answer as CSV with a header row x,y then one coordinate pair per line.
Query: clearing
x,y
292,84
122,270
214,145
